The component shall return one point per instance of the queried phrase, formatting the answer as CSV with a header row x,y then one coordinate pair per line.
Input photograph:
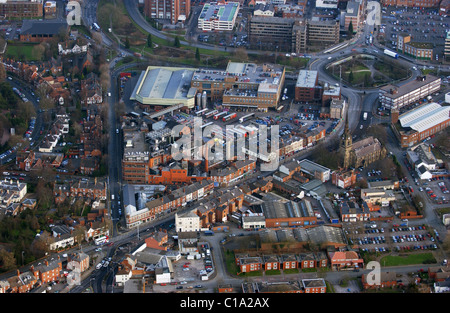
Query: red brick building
x,y
345,260
387,280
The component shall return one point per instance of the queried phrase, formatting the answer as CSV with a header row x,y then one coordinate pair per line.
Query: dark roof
x,y
31,27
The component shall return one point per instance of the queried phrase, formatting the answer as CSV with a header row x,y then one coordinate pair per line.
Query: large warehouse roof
x,y
425,117
164,86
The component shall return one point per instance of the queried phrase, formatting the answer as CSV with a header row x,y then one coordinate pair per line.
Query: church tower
x,y
347,144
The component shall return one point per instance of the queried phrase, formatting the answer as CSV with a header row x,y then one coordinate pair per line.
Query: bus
x,y
101,240
207,124
134,114
211,113
95,27
218,115
280,108
201,112
246,117
229,117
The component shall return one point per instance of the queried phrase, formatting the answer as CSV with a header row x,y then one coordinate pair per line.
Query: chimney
x,y
394,116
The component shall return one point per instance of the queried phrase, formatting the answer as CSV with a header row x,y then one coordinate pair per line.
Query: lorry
x,y
365,116
391,53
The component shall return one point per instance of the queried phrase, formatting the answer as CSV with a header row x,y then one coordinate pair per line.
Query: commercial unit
x,y
165,86
420,123
218,16
173,10
395,97
242,85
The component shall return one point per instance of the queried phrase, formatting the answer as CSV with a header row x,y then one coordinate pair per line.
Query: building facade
x,y
395,97
173,10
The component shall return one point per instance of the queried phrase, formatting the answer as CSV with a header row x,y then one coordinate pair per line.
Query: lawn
x,y
415,258
20,52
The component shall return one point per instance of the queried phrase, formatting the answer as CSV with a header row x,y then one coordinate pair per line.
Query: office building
x,y
21,9
447,47
173,10
218,16
322,32
395,97
270,33
306,87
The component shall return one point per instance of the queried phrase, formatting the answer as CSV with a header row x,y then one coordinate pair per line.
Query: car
x,y
179,287
117,130
98,249
198,286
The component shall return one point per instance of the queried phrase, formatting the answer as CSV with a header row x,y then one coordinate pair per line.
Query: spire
x,y
346,131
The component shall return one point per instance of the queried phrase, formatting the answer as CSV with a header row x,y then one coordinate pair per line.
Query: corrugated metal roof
x,y
425,117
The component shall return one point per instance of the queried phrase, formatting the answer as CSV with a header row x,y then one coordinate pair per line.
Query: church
x,y
360,153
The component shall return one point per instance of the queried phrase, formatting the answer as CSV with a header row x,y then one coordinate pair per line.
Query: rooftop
x,y
307,79
408,87
164,83
425,116
219,11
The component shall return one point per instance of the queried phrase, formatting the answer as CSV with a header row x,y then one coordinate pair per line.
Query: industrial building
x,y
420,123
165,86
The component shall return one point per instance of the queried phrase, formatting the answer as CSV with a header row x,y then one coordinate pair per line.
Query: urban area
x,y
226,147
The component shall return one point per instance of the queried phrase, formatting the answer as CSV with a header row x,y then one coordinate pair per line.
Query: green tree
x,y
177,43
197,54
350,29
149,41
350,77
127,43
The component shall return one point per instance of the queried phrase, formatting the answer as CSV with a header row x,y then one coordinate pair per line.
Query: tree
x,y
127,43
7,260
177,43
2,73
197,54
149,41
350,77
350,29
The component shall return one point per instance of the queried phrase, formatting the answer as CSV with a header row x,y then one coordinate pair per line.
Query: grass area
x,y
273,272
22,52
291,271
415,258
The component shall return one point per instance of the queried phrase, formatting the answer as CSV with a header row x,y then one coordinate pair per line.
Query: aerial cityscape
x,y
224,147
